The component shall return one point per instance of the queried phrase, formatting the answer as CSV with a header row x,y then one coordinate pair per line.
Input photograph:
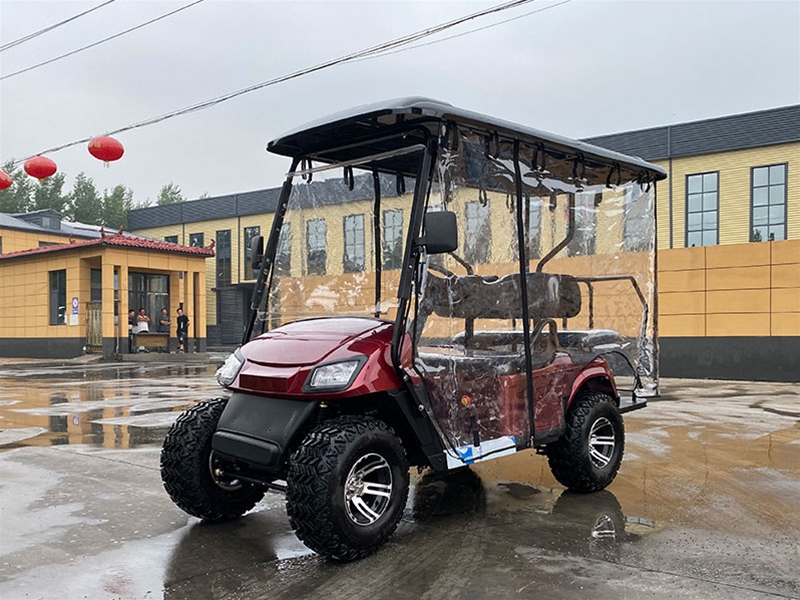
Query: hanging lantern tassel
x,y
5,180
106,148
40,167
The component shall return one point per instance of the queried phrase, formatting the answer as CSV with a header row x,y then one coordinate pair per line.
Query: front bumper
x,y
259,431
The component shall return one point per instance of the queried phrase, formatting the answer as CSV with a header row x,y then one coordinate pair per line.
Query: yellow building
x,y
729,307
65,289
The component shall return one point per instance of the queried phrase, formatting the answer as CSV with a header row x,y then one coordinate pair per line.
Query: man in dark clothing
x,y
183,330
132,325
163,322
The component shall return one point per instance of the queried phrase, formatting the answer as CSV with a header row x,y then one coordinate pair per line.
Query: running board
x,y
629,403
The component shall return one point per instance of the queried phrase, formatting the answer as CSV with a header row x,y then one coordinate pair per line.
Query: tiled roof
x,y
116,239
734,132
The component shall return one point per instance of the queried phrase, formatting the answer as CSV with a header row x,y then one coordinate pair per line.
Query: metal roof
x,y
722,134
362,119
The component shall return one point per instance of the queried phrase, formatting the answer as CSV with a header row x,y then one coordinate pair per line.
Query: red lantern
x,y
5,180
40,167
106,149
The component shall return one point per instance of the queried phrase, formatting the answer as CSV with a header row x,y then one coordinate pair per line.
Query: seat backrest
x,y
476,297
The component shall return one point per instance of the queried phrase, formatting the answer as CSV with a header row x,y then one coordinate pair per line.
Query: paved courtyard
x,y
706,505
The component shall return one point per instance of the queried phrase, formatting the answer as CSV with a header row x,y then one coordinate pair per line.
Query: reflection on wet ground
x,y
706,505
124,405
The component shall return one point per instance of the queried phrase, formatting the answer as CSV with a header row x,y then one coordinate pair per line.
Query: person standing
x,y
132,329
163,326
144,321
183,330
163,322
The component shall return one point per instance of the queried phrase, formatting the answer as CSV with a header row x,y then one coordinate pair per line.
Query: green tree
x,y
116,206
170,194
17,198
87,205
48,194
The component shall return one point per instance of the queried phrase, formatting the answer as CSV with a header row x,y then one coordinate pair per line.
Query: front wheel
x,y
587,457
347,487
193,476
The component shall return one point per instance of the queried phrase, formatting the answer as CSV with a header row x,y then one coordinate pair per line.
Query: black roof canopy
x,y
324,139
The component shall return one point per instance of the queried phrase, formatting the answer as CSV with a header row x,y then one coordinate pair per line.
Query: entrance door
x,y
94,326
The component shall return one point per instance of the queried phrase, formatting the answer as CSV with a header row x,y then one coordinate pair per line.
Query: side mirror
x,y
441,232
257,251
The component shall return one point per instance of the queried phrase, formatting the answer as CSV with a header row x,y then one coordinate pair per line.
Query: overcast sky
x,y
585,68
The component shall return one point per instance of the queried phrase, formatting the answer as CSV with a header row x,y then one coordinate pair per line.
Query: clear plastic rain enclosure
x,y
575,222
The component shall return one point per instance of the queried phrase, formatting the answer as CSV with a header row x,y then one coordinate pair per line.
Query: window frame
x,y
476,252
702,211
357,268
193,237
785,184
247,269
222,257
396,250
323,268
172,239
61,275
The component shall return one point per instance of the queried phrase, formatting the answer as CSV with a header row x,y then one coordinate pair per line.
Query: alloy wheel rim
x,y
602,442
368,489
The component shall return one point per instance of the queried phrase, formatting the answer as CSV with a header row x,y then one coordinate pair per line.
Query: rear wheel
x,y
347,487
193,476
588,455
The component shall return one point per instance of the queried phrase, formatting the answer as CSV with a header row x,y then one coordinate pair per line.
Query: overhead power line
x,y
463,33
35,34
368,52
103,41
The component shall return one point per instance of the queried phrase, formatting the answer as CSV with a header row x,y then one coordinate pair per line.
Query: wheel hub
x,y
602,442
368,489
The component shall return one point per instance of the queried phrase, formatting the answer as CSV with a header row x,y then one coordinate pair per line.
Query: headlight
x,y
230,369
335,376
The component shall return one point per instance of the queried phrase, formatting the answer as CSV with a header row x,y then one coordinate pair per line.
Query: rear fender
x,y
597,376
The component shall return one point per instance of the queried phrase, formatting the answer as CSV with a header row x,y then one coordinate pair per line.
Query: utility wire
x,y
463,33
30,36
368,52
116,35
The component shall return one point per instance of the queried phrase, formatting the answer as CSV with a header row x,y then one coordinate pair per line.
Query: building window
x,y
58,297
197,240
768,203
533,227
283,257
45,244
1,244
583,240
353,243
150,292
172,239
392,239
478,233
702,209
249,234
96,285
637,232
316,241
223,251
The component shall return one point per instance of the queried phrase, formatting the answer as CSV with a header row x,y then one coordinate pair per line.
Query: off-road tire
x,y
318,472
569,457
186,472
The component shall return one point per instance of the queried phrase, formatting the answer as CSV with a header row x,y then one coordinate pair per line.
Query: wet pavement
x,y
706,505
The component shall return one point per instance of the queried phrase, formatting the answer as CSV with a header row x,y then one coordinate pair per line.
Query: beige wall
x,y
735,290
15,240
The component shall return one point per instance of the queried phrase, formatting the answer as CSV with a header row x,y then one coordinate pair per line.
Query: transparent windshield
x,y
340,247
